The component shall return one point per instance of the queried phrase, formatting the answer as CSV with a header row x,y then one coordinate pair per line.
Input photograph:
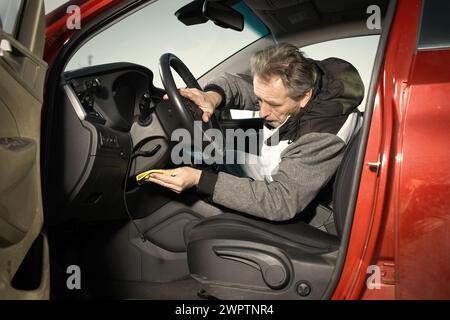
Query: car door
x,y
24,261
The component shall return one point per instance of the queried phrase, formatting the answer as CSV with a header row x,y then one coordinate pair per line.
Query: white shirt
x,y
265,165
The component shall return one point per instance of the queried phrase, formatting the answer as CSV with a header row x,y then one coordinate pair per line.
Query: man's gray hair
x,y
287,62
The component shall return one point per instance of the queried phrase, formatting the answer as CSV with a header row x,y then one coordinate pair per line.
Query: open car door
x,y
24,259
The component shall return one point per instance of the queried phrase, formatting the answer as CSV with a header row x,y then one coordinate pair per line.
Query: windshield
x,y
144,36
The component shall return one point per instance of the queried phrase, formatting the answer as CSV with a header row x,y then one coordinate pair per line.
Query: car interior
x,y
106,123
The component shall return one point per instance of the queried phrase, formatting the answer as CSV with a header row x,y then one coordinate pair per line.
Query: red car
x,y
72,216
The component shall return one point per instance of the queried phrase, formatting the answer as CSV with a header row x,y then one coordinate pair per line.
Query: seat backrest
x,y
343,180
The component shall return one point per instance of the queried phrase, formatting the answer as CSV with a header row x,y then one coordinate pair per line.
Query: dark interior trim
x,y
362,149
19,18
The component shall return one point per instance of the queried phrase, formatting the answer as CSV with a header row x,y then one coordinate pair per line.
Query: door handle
x,y
5,46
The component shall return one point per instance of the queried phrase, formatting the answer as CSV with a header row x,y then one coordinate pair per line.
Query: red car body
x,y
401,220
402,217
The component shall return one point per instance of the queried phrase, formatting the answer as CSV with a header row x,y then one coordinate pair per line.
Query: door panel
x,y
22,74
423,249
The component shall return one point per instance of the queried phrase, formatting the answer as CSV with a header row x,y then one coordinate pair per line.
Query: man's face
x,y
274,103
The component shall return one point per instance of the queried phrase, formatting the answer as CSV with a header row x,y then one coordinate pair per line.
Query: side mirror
x,y
223,15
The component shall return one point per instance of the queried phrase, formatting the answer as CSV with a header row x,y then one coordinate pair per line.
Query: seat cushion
x,y
296,234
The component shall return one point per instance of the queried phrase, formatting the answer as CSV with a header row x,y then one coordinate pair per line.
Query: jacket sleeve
x,y
305,168
236,91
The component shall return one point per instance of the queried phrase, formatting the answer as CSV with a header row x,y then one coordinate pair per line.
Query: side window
x,y
435,25
10,11
359,51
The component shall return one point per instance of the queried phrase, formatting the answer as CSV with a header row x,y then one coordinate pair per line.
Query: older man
x,y
312,105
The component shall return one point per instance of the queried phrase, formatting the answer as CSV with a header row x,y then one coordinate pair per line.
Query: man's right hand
x,y
206,101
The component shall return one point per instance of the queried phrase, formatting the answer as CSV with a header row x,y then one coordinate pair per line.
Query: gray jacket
x,y
317,137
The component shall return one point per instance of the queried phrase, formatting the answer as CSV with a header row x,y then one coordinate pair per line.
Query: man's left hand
x,y
178,179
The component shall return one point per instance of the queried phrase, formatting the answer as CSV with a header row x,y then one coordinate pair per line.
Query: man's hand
x,y
206,101
178,179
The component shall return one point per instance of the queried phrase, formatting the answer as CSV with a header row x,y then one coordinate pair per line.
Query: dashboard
x,y
106,114
112,94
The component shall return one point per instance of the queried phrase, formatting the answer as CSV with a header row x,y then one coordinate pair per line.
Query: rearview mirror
x,y
200,11
223,15
192,13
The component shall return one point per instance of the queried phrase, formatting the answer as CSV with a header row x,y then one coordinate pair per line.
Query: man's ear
x,y
304,101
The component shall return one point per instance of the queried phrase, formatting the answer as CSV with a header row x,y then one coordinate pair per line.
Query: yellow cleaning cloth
x,y
140,178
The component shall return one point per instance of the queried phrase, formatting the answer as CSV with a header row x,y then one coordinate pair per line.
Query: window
x,y
359,51
9,15
144,36
435,25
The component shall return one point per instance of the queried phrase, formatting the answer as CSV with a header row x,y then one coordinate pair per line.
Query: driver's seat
x,y
237,257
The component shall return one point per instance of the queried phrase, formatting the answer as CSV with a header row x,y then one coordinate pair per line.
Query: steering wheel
x,y
186,109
